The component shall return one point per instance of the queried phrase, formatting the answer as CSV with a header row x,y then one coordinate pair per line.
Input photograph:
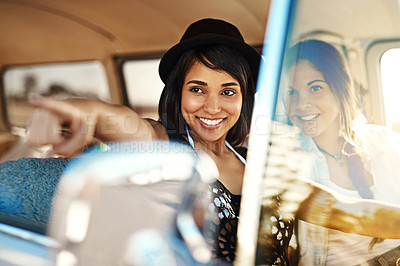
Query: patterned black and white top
x,y
274,236
273,240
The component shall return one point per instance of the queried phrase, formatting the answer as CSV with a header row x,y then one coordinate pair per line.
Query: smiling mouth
x,y
307,118
210,122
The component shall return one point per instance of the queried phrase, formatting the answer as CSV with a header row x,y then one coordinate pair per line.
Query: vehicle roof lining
x,y
56,30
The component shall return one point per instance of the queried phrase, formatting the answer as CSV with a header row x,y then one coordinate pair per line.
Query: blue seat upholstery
x,y
27,187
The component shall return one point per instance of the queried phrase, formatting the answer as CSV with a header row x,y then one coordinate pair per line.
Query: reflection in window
x,y
390,65
84,79
143,86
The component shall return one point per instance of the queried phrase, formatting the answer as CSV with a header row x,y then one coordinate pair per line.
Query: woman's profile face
x,y
309,101
211,102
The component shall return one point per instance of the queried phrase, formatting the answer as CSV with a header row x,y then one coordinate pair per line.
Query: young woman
x,y
354,159
206,103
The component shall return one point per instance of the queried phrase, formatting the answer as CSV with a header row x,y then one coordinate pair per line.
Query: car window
x,y
64,80
331,126
143,86
389,66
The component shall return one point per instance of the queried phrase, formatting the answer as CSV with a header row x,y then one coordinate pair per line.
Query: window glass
x,y
143,86
390,78
328,131
84,79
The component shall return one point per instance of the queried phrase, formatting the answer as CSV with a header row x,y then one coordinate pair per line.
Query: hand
x,y
61,124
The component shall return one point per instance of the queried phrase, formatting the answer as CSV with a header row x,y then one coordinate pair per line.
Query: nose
x,y
303,101
212,104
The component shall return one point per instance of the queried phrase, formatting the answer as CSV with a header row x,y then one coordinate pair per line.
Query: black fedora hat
x,y
209,31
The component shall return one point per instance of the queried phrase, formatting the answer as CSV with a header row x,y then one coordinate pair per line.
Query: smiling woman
x,y
210,108
310,102
352,158
206,103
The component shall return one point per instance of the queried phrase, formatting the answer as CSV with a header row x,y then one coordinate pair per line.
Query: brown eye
x,y
195,90
229,92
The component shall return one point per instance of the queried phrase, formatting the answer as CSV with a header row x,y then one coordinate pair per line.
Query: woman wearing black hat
x,y
206,103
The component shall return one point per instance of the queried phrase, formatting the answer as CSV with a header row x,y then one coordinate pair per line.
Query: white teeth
x,y
211,122
308,117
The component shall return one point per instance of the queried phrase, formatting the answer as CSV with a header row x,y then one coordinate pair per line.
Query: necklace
x,y
338,157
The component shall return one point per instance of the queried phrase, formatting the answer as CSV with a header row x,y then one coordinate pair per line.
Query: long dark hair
x,y
327,60
219,57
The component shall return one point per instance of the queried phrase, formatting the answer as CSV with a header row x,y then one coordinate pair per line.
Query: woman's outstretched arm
x,y
70,125
364,217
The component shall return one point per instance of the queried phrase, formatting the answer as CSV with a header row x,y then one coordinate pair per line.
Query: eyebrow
x,y
230,84
317,80
199,82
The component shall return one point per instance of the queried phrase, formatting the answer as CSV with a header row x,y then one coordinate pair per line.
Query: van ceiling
x,y
59,30
350,20
91,29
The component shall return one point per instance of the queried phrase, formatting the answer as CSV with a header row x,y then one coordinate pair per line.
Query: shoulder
x,y
159,131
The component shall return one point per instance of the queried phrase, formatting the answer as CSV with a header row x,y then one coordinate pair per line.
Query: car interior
x,y
110,51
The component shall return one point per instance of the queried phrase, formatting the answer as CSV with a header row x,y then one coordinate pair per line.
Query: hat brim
x,y
171,57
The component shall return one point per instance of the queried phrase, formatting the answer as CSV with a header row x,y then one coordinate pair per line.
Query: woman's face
x,y
309,101
211,102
